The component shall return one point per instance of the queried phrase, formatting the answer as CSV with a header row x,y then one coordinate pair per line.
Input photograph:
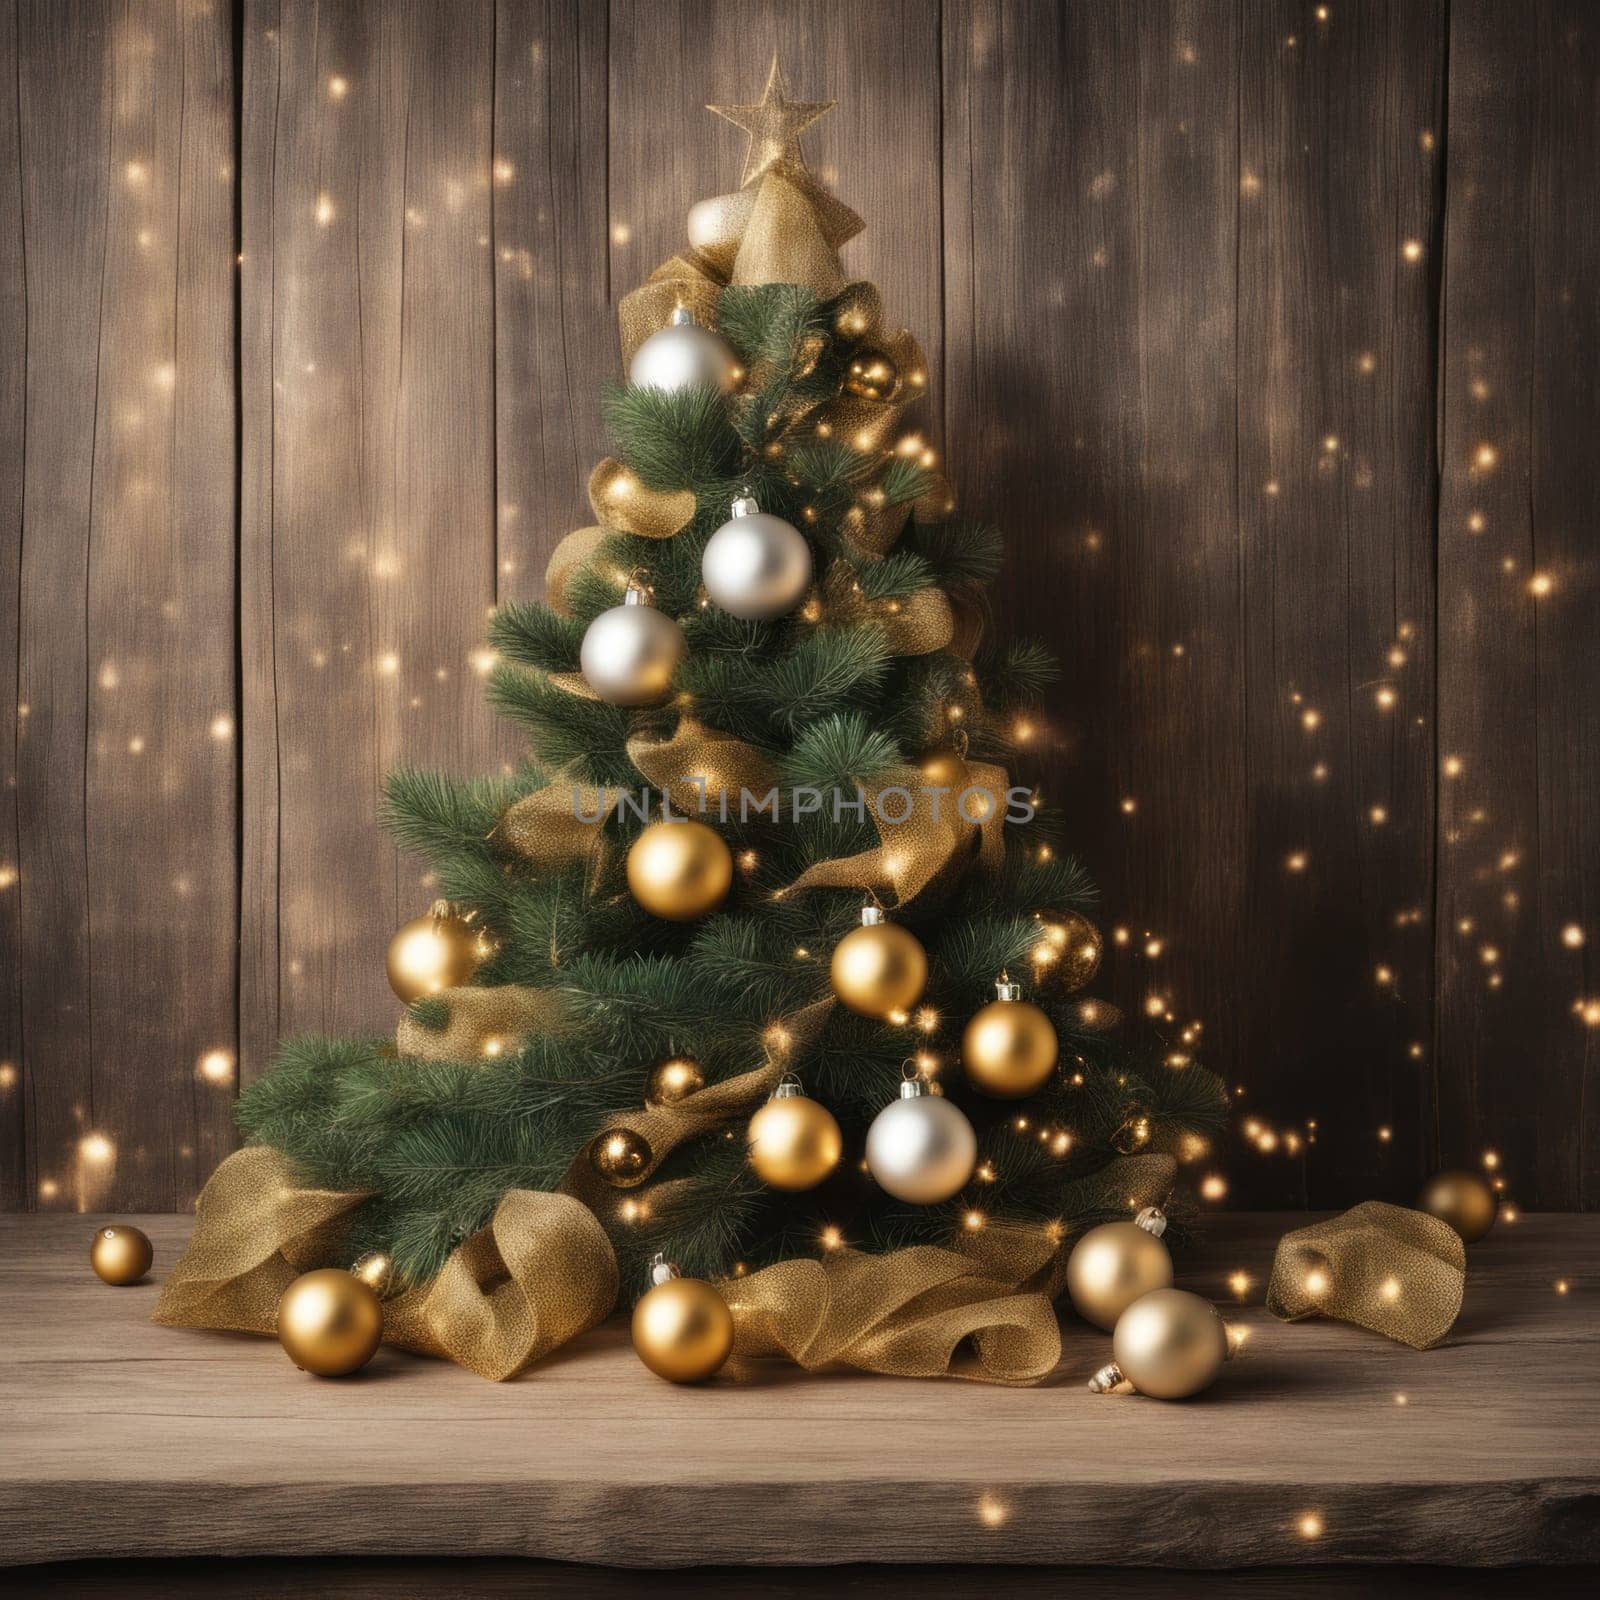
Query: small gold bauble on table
x,y
795,1141
879,968
871,376
1462,1199
1169,1344
622,1157
1009,1048
679,871
682,1328
120,1254
673,1080
329,1322
1116,1264
441,949
1069,949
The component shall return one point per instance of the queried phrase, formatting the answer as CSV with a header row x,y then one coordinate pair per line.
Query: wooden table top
x,y
122,1438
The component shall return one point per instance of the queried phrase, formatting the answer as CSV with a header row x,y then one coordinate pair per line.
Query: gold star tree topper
x,y
774,126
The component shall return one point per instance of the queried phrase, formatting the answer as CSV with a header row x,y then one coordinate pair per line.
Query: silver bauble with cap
x,y
920,1148
756,566
630,652
683,355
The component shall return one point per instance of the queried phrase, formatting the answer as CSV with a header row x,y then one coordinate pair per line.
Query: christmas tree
x,y
766,951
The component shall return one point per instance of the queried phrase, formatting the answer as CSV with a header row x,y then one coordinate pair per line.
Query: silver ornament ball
x,y
629,653
920,1148
756,566
684,356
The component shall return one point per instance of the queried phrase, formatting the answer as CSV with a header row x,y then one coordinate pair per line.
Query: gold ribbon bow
x,y
905,1313
542,1272
1400,1273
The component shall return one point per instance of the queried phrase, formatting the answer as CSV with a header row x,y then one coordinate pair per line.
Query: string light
x,y
1412,250
1309,1525
216,1066
1572,936
96,1148
1213,1187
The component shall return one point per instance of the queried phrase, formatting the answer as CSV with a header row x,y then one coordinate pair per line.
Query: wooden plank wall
x,y
1268,329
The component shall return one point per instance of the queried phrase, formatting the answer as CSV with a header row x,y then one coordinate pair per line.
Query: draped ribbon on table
x,y
1398,1272
543,1271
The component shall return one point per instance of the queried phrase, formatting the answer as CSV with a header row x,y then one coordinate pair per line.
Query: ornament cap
x,y
912,1088
872,915
682,317
1107,1379
1153,1220
745,505
789,1088
662,1270
1007,988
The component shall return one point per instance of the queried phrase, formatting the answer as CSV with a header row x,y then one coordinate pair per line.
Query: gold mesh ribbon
x,y
784,241
664,1128
915,625
623,504
256,1230
906,1313
1400,1273
568,558
562,821
910,854
484,1019
541,1273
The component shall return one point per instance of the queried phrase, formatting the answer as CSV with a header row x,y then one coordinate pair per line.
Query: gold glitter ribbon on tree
x,y
1400,1273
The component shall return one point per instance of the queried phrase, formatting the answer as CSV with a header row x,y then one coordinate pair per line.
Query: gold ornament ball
x,y
683,1330
795,1142
1069,949
878,969
622,1157
1111,1267
679,871
120,1254
1170,1344
1462,1199
871,376
1009,1049
673,1080
376,1270
329,1322
438,950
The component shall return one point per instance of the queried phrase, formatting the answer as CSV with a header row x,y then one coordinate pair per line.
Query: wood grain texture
x,y
13,438
125,779
1090,174
1519,729
1339,189
369,559
131,1440
555,338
